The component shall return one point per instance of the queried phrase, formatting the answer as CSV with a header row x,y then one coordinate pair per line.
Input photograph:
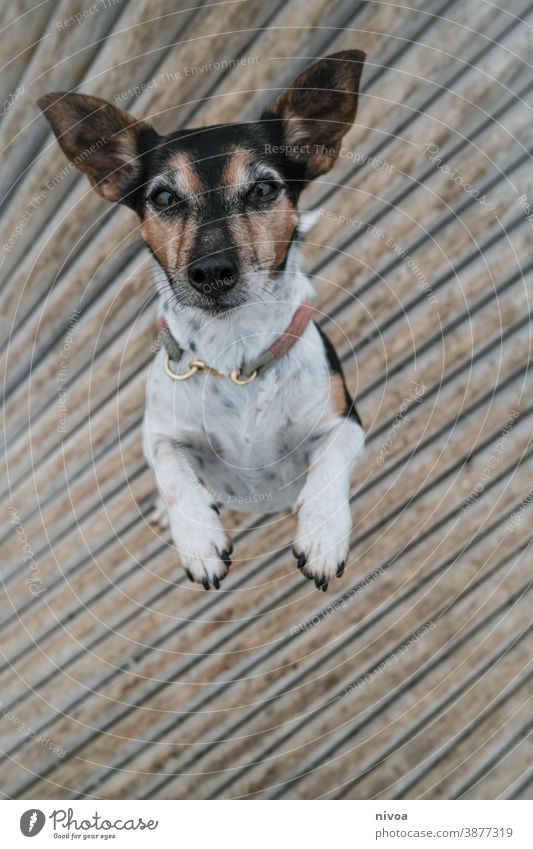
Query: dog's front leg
x,y
202,543
324,517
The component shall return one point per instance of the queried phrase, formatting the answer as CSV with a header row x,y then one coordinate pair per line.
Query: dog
x,y
246,402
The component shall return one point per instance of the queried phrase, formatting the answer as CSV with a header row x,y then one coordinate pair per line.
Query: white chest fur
x,y
248,444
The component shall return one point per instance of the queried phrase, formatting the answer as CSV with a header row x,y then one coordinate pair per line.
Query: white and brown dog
x,y
246,400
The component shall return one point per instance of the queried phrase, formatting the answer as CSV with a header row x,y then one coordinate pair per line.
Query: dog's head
x,y
218,205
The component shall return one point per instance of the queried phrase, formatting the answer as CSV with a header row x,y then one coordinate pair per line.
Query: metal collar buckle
x,y
242,381
195,366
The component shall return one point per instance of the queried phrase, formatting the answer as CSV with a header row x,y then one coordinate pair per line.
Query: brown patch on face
x,y
236,171
170,239
261,235
281,226
185,175
338,393
160,235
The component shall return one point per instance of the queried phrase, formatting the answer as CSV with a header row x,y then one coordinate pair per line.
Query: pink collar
x,y
300,320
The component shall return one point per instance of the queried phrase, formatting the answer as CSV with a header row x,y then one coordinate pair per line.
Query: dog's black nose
x,y
213,275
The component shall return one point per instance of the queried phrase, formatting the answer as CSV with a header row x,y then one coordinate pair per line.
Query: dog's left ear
x,y
318,109
101,140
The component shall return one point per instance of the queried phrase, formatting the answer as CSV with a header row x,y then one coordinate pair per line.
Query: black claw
x,y
189,574
216,583
340,569
302,560
225,557
205,582
215,508
325,585
318,581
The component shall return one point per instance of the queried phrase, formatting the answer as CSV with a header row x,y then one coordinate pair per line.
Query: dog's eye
x,y
264,189
163,199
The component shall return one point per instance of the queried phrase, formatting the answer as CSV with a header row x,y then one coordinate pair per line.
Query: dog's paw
x,y
204,548
208,567
158,515
322,540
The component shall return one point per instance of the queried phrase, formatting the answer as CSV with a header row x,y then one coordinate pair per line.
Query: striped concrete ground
x,y
412,677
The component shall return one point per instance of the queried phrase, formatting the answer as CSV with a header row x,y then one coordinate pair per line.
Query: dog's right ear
x,y
101,140
318,109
